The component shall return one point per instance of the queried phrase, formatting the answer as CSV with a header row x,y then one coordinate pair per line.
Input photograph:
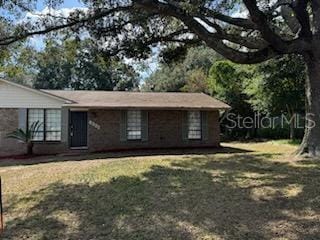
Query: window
x,y
53,125
134,128
50,124
37,115
194,125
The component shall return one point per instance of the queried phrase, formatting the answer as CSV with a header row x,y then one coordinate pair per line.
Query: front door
x,y
78,129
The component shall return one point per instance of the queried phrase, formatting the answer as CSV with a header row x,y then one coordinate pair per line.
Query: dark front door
x,y
78,129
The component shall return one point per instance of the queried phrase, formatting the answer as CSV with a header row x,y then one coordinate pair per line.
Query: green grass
x,y
247,191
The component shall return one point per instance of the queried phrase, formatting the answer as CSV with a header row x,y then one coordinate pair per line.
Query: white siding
x,y
18,97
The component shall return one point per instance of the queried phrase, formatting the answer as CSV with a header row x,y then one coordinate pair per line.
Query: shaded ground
x,y
257,191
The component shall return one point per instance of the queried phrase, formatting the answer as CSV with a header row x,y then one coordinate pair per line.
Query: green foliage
x,y
166,79
200,57
279,86
187,74
280,132
54,65
196,81
173,54
81,65
67,63
226,81
272,88
27,135
17,60
18,64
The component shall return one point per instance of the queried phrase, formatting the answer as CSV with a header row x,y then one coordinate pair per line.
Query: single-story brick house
x,y
107,120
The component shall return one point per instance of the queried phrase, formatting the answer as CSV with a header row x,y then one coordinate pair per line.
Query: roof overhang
x,y
58,98
76,106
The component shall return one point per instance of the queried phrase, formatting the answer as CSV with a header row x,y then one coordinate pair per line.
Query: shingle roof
x,y
141,100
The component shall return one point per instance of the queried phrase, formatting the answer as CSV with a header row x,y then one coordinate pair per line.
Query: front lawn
x,y
247,191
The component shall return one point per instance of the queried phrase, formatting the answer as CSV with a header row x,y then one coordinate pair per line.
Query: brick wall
x,y
164,127
9,121
165,130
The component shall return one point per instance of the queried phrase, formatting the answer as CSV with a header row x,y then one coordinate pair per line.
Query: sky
x,y
66,4
38,42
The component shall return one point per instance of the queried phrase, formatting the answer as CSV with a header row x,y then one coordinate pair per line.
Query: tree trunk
x,y
311,140
30,148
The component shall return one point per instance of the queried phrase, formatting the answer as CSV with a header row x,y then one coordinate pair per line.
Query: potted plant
x,y
26,136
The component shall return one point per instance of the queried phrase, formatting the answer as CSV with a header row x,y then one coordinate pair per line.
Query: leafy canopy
x,y
279,86
247,31
80,65
187,73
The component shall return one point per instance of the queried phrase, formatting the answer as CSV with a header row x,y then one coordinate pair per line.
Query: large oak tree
x,y
264,30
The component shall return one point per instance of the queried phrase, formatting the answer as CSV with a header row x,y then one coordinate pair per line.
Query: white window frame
x,y
134,125
194,125
43,118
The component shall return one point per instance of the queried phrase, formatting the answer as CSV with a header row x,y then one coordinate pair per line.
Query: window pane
x,y
53,125
53,120
133,125
38,136
36,115
194,125
53,136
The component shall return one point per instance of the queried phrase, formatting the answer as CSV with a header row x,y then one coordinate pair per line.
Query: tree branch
x,y
243,57
14,38
240,22
301,12
260,19
171,37
121,25
280,3
287,14
249,42
213,40
316,16
268,46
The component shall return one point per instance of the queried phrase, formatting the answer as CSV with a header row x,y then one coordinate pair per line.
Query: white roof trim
x,y
64,100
